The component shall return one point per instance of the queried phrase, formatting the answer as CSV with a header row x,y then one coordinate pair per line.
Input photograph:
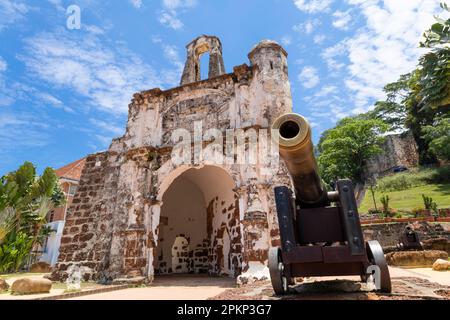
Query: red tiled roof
x,y
72,170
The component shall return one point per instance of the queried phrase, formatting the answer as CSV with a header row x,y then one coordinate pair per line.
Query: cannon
x,y
320,231
409,240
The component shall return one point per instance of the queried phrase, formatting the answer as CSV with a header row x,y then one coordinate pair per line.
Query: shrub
x,y
373,211
14,252
413,178
417,212
395,183
441,175
427,202
385,202
430,204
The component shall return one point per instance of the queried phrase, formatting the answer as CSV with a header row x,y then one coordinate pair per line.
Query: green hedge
x,y
414,178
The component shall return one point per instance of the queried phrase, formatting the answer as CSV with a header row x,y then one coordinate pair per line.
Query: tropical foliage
x,y
438,137
434,81
344,149
420,101
25,200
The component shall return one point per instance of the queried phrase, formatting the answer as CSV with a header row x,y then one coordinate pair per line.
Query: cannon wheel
x,y
280,281
376,257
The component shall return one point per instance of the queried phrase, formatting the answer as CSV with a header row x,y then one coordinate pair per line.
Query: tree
x,y
344,150
435,66
417,99
438,136
393,110
25,200
372,182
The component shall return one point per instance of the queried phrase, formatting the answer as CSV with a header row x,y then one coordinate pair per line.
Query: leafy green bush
x,y
441,175
14,252
25,200
413,178
395,183
430,204
427,202
385,202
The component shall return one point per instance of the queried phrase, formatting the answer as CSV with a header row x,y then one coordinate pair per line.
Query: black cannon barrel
x,y
293,133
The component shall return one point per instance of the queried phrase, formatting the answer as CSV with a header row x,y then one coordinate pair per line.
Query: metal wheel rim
x,y
276,268
376,257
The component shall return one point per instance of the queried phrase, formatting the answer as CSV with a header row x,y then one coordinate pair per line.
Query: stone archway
x,y
200,214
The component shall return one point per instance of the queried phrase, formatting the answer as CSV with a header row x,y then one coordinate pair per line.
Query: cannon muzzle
x,y
296,149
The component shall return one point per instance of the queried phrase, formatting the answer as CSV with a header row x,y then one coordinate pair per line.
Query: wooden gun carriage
x,y
320,231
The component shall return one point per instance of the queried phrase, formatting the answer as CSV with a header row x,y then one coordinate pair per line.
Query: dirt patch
x,y
444,293
404,288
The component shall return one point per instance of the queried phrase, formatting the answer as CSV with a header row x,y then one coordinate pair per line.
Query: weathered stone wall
x,y
387,234
398,150
113,225
87,233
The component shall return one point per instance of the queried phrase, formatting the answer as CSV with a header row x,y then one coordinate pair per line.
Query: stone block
x,y
40,267
4,286
419,259
31,286
441,265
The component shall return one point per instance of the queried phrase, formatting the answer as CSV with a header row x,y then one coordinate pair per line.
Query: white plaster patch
x,y
256,271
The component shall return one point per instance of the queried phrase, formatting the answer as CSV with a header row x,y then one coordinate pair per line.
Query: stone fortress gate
x,y
140,213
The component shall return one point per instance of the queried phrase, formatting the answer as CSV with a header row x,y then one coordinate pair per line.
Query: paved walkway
x,y
441,277
194,287
174,287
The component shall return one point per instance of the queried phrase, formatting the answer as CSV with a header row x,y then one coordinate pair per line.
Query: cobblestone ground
x,y
403,288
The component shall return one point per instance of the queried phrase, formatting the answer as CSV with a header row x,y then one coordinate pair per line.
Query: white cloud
x,y
313,6
331,55
342,19
105,141
136,3
52,101
169,19
177,4
107,76
58,4
286,40
386,47
307,26
21,130
93,29
169,16
318,39
326,91
12,12
6,95
107,126
309,77
171,53
3,65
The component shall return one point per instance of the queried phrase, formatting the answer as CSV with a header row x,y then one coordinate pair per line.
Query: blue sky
x,y
65,93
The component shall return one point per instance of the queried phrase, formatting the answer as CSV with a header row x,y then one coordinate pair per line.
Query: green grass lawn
x,y
411,198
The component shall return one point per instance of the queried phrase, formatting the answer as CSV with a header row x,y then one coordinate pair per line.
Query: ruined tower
x,y
139,212
195,49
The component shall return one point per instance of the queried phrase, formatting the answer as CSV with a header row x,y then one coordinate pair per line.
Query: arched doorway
x,y
199,230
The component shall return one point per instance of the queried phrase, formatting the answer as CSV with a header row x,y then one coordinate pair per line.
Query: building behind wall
x,y
69,177
138,212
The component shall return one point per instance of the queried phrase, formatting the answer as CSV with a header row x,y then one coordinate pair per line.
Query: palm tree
x,y
25,200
